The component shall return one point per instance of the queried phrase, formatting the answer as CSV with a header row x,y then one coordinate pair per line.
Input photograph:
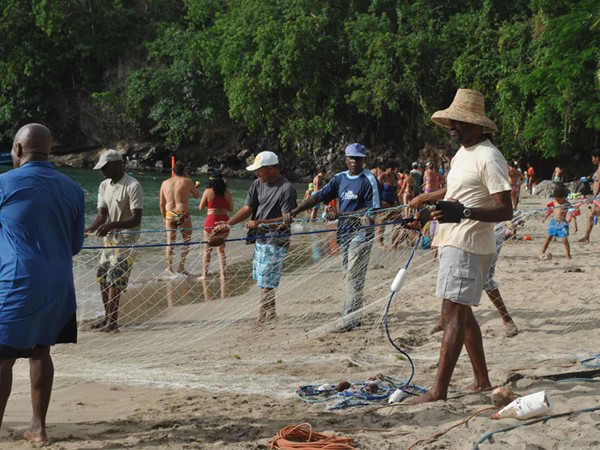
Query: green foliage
x,y
309,71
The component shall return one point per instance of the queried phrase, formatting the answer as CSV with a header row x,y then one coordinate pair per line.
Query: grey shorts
x,y
461,275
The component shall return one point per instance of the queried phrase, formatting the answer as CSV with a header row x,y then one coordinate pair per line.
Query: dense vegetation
x,y
304,72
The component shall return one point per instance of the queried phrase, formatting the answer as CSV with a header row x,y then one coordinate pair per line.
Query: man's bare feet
x,y
112,328
427,397
439,326
98,325
474,387
182,271
201,278
37,435
511,329
584,240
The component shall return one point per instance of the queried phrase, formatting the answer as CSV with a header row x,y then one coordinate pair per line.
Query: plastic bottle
x,y
526,407
595,220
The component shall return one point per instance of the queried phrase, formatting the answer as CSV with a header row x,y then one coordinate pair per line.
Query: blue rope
x,y
588,361
268,236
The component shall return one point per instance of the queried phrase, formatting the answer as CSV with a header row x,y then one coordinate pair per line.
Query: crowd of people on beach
x,y
467,204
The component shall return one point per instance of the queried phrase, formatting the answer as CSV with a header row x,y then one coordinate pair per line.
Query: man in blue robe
x,y
41,228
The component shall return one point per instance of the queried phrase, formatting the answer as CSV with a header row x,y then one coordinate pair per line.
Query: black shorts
x,y
68,335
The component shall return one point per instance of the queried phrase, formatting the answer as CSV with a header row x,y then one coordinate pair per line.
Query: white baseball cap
x,y
263,159
106,157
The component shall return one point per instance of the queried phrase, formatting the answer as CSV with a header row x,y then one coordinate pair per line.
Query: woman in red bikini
x,y
218,200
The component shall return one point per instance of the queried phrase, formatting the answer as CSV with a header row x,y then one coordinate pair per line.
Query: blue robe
x,y
42,219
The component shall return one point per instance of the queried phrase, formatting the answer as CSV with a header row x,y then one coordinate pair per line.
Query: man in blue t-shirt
x,y
357,192
42,213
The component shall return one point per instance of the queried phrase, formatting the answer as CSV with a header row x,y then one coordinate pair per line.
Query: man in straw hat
x,y
477,195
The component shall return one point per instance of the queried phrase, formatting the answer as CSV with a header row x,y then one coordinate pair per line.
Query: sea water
x,y
185,291
89,180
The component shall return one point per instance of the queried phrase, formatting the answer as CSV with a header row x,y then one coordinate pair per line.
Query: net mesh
x,y
179,331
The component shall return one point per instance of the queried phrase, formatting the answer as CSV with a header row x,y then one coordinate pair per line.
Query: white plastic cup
x,y
526,407
397,396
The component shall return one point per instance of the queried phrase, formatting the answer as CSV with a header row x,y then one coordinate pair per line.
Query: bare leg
x,y
588,230
379,231
455,323
41,373
171,238
267,311
567,247
222,269
6,378
205,290
114,296
104,295
546,244
205,258
187,237
496,298
474,346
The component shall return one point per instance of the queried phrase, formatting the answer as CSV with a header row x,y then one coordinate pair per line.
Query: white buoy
x,y
399,280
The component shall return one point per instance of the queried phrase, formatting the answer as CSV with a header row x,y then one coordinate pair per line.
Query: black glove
x,y
452,211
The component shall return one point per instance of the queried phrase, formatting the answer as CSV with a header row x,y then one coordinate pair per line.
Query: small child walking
x,y
559,227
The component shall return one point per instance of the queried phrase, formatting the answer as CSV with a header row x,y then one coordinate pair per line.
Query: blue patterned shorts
x,y
558,229
267,264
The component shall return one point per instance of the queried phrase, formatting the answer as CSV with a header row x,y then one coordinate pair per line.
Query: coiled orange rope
x,y
302,437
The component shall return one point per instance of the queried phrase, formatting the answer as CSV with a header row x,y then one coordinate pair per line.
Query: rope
x,y
303,437
438,435
592,362
386,319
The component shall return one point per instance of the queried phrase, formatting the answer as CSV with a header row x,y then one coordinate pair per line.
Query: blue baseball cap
x,y
356,150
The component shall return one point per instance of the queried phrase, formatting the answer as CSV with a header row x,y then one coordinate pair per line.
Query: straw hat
x,y
468,106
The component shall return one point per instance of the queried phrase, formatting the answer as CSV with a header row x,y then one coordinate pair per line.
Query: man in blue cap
x,y
358,193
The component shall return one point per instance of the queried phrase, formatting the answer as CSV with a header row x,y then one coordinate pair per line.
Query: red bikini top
x,y
218,202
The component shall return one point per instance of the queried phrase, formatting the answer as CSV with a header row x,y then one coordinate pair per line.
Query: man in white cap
x,y
358,192
477,195
269,198
120,204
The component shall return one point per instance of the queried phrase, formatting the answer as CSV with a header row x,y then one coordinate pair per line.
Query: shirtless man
x,y
175,209
515,178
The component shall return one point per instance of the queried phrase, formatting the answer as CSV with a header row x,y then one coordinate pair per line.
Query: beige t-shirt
x,y
475,174
120,199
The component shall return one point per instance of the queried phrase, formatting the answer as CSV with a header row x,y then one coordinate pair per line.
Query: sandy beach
x,y
203,376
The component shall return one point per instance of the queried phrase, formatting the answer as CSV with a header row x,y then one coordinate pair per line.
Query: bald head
x,y
31,143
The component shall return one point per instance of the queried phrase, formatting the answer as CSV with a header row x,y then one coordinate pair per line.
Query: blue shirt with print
x,y
354,192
